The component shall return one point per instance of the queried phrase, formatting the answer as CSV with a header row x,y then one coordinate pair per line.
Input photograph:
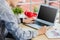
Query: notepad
x,y
53,33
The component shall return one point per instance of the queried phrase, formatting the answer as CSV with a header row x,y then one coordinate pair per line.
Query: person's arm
x,y
13,28
12,24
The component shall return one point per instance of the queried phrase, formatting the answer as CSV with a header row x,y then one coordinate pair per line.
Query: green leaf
x,y
17,10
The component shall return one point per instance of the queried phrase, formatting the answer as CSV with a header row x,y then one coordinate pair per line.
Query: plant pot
x,y
22,15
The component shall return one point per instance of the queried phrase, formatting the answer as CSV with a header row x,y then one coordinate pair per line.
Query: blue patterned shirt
x,y
11,23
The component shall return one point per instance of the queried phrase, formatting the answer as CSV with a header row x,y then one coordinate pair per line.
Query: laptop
x,y
46,16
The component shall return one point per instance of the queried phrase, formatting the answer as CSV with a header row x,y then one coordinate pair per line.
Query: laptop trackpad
x,y
34,26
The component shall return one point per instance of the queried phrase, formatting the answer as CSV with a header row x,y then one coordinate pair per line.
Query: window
x,y
29,5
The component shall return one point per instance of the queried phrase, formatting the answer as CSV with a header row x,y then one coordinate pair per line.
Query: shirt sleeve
x,y
12,24
26,34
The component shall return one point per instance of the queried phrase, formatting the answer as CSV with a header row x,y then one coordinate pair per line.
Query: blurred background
x,y
33,6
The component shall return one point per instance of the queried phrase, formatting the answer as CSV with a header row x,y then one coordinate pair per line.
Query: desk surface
x,y
41,37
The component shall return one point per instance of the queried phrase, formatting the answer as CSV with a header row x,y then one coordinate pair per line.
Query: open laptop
x,y
46,16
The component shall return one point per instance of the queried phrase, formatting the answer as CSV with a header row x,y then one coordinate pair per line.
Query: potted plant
x,y
17,10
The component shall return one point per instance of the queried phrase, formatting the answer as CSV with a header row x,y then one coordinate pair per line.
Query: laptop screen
x,y
47,13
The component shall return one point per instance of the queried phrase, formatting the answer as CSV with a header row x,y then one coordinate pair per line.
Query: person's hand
x,y
42,30
28,20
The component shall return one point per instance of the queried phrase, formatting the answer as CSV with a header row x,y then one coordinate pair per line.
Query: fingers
x,y
28,20
42,30
44,27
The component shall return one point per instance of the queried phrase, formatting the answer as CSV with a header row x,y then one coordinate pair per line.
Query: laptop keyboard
x,y
36,25
39,23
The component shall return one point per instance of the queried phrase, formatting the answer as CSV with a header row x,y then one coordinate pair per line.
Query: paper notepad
x,y
53,33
